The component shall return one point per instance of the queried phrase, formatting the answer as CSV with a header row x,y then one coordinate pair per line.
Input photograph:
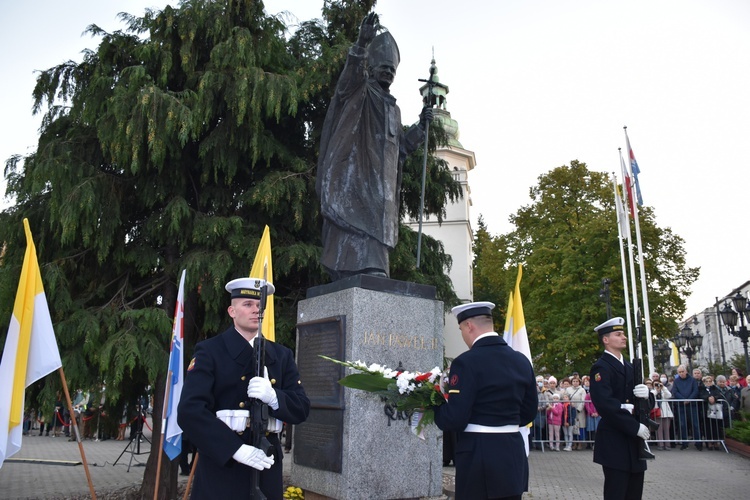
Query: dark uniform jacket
x,y
491,385
616,442
217,379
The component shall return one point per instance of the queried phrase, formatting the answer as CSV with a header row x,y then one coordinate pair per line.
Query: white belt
x,y
503,429
627,407
275,426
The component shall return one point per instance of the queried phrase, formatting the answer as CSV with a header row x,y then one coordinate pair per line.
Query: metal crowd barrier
x,y
692,422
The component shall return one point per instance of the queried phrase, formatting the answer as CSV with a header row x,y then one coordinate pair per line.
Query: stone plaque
x,y
351,451
318,442
321,377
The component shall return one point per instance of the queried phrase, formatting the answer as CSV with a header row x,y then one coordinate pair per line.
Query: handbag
x,y
715,412
654,413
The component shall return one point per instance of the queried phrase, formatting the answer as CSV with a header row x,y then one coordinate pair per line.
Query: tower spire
x,y
437,99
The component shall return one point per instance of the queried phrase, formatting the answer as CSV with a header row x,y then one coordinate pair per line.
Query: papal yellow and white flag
x,y
515,324
675,358
30,350
515,335
263,263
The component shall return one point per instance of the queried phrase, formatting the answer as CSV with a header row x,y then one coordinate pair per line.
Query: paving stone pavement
x,y
687,475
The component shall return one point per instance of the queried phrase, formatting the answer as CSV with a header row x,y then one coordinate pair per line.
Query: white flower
x,y
388,373
376,368
434,374
404,383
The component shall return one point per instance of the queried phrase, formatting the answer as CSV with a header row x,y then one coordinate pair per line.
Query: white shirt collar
x,y
618,358
488,334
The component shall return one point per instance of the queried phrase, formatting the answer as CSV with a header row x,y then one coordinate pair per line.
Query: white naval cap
x,y
248,287
466,311
611,325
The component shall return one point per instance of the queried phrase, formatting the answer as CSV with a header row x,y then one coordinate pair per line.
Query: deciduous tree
x,y
566,238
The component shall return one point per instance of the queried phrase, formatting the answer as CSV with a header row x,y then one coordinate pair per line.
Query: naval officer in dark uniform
x,y
218,387
491,393
612,389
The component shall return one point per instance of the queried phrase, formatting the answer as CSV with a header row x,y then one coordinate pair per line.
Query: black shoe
x,y
699,447
684,447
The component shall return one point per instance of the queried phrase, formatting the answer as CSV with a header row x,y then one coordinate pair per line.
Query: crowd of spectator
x,y
692,408
91,414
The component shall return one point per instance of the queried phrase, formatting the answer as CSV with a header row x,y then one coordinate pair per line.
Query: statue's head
x,y
383,58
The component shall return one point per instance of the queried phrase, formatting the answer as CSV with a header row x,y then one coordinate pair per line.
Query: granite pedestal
x,y
354,446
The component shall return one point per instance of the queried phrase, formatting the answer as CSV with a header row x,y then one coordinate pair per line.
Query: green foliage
x,y
566,240
741,429
715,368
171,145
434,264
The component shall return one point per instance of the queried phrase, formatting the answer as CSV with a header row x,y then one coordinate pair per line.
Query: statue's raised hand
x,y
368,29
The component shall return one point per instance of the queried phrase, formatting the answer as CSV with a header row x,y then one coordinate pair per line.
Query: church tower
x,y
455,232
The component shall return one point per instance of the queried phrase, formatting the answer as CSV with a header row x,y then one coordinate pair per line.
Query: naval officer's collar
x,y
488,334
618,358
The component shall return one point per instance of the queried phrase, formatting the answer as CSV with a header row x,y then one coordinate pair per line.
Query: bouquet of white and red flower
x,y
404,390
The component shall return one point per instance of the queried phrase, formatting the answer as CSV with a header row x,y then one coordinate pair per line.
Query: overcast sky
x,y
533,85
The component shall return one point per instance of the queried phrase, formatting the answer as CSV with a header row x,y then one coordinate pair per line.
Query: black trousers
x,y
622,485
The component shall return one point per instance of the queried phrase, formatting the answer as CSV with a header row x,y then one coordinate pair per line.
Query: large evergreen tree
x,y
566,238
171,146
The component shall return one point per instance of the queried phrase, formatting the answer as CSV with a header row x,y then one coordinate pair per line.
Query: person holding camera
x,y
661,394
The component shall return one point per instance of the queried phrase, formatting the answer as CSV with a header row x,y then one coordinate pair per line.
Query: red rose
x,y
422,377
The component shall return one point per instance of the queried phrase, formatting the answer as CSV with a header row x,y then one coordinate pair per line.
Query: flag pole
x,y
163,429
625,180
622,224
75,430
644,291
190,478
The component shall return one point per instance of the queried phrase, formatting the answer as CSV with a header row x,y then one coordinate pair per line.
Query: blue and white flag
x,y
170,428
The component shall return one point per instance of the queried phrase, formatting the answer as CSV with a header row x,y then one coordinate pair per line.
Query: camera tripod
x,y
134,445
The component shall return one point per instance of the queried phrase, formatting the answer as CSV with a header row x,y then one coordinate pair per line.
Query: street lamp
x,y
729,317
662,354
689,343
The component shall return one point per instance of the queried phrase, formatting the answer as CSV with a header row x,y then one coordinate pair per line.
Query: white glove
x,y
253,457
260,388
643,432
641,391
235,419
